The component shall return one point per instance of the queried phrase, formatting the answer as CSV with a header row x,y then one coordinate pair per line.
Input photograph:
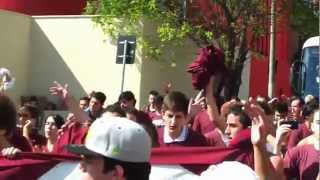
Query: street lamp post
x,y
271,80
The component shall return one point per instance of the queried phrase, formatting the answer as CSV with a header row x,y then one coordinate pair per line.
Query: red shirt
x,y
302,162
297,135
154,115
193,139
202,123
72,135
214,139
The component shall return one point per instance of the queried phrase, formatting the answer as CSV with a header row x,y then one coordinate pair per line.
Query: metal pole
x,y
272,51
124,63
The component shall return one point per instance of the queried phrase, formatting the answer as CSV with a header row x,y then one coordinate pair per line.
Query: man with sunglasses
x,y
115,148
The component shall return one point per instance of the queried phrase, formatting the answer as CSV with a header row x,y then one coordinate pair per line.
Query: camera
x,y
293,123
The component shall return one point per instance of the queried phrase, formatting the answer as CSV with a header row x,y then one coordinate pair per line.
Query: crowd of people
x,y
116,140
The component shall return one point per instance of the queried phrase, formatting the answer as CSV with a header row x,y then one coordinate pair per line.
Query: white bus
x,y
305,77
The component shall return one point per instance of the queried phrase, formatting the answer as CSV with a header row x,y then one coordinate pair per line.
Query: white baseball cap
x,y
116,138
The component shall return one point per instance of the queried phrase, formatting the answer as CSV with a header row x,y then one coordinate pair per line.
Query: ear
x,y
119,172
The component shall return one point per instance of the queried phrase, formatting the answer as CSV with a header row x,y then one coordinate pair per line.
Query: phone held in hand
x,y
294,124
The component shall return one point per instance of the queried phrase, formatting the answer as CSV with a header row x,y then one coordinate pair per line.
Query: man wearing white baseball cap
x,y
115,148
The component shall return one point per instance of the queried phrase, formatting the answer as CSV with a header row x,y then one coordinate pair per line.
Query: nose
x,y
227,131
173,121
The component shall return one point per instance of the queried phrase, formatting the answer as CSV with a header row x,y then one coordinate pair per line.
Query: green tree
x,y
228,24
304,19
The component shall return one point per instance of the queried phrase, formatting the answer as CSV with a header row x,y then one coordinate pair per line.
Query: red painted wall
x,y
284,52
44,7
258,76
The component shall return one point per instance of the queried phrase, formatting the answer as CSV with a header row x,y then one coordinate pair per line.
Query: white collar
x,y
182,137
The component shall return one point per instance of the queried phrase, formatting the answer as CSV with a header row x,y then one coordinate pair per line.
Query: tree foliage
x,y
304,18
224,21
174,24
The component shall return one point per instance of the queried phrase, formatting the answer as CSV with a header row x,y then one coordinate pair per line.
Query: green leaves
x,y
304,20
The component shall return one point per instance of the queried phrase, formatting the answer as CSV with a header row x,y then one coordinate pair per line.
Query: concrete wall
x,y
156,73
14,47
73,50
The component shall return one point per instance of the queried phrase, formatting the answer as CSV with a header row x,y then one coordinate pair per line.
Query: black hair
x,y
8,114
58,120
145,121
281,107
158,100
115,108
132,170
33,110
86,98
100,96
238,111
128,96
266,108
154,92
176,101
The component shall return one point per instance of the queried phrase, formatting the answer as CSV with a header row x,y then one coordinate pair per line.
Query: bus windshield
x,y
311,79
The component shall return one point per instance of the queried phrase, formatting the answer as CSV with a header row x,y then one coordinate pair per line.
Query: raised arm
x,y
63,93
212,108
262,164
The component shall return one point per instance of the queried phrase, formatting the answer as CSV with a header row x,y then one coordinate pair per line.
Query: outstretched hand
x,y
258,130
195,104
59,90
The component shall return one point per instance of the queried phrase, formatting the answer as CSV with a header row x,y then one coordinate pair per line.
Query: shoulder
x,y
20,142
196,138
305,141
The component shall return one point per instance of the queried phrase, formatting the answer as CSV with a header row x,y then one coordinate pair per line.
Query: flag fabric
x,y
168,163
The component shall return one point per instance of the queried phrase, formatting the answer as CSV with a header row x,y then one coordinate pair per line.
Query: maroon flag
x,y
194,160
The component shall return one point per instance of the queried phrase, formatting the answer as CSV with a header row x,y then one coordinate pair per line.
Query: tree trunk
x,y
232,82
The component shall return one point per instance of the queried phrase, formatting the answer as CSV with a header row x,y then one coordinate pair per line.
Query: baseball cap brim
x,y
81,150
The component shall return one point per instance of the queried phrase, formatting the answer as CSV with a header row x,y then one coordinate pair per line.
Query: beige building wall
x,y
14,48
73,50
156,73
